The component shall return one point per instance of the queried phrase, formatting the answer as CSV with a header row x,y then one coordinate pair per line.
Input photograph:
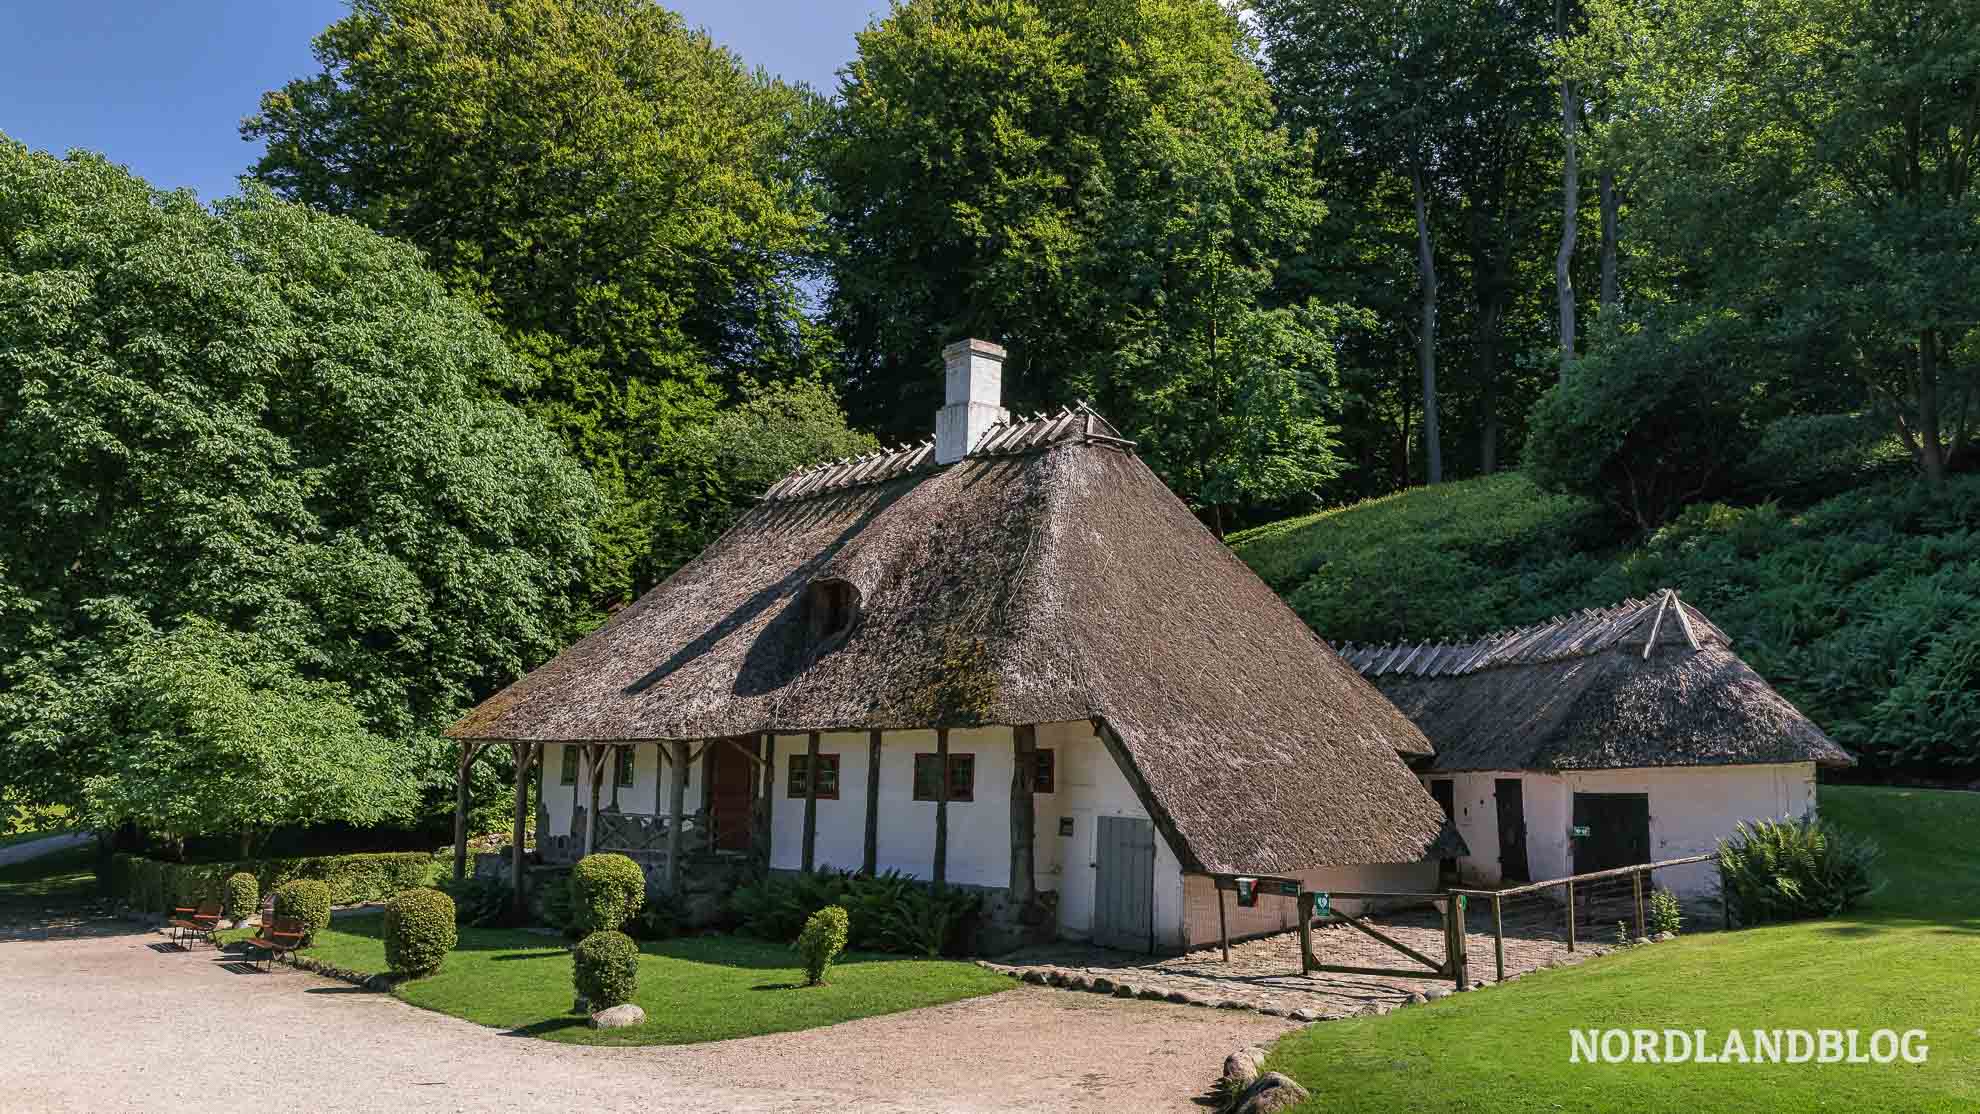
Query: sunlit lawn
x,y
1909,960
692,989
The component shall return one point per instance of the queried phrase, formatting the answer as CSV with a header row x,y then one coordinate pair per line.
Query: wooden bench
x,y
279,938
194,922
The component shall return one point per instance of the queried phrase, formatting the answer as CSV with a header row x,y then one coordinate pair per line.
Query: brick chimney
x,y
975,397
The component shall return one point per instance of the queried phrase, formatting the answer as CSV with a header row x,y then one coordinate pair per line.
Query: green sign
x,y
1580,831
1288,888
1320,905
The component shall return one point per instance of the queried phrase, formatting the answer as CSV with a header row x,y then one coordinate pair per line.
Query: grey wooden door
x,y
1124,889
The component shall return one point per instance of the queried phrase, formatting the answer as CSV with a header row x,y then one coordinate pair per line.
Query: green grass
x,y
1910,959
693,989
48,883
24,837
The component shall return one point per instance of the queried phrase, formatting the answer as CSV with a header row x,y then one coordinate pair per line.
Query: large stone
x,y
624,1017
1270,1093
1242,1067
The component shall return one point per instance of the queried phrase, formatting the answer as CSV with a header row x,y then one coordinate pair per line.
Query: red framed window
x,y
828,776
962,777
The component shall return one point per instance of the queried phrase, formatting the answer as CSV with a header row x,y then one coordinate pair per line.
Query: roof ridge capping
x,y
1639,624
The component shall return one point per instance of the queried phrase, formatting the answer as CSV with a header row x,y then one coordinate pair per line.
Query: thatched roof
x,y
1648,682
1049,576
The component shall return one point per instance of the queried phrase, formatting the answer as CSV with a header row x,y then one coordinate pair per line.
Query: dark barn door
x,y
1618,830
1444,791
1124,886
730,777
1512,829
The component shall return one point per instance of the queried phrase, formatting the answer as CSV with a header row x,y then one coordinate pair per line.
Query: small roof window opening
x,y
831,610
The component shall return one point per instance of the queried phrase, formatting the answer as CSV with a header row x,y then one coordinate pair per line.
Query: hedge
x,y
154,886
419,931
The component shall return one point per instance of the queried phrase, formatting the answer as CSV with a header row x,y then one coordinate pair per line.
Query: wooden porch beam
x,y
870,859
522,753
1024,743
676,814
810,800
470,750
941,806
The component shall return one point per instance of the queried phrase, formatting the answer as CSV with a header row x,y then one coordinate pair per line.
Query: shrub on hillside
x,y
481,902
1805,457
1666,915
820,942
605,969
419,931
307,900
243,894
606,891
1784,870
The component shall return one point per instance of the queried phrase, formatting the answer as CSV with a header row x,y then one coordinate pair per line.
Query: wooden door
x,y
731,776
1510,795
1444,792
1124,884
1618,830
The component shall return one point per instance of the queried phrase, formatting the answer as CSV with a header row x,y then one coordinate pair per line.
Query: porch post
x,y
941,805
1024,741
522,751
768,745
594,773
870,862
468,751
810,799
676,813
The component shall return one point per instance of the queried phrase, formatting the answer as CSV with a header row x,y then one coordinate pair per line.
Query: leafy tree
x,y
260,519
1100,187
1809,165
614,189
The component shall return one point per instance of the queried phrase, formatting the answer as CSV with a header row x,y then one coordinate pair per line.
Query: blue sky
x,y
161,86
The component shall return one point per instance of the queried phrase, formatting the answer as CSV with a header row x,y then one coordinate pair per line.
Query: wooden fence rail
x,y
1637,874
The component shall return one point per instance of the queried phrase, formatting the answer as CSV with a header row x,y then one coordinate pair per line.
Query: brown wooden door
x,y
730,778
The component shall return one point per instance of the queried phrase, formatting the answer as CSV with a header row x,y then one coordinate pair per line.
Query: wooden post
x,y
1224,931
1570,915
1636,885
522,750
810,800
594,772
769,787
676,812
870,859
1306,957
941,805
468,751
1498,937
1460,954
1024,820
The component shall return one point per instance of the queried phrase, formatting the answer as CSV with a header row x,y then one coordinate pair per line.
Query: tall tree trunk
x,y
1931,450
1570,202
1491,309
1609,236
1426,339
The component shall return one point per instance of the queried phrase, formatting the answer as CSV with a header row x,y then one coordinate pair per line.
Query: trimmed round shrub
x,y
243,894
419,931
605,969
823,938
606,891
308,900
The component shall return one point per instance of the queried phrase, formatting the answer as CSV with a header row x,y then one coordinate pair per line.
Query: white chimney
x,y
975,373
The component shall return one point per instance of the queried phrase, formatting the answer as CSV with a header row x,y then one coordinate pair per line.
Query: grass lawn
x,y
47,883
1910,959
693,989
24,837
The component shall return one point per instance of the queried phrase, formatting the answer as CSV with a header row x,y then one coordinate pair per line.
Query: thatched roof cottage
x,y
1009,658
1615,736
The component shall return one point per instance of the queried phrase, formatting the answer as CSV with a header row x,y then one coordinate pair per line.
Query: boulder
x,y
1242,1068
619,1017
1271,1092
1102,984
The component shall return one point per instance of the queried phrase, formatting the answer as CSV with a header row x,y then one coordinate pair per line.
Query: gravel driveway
x,y
108,1023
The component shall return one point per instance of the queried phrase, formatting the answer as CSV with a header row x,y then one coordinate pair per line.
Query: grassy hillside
x,y
1864,608
1906,961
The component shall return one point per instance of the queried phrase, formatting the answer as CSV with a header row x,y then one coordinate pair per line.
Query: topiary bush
x,y
823,938
308,900
1784,870
606,891
605,969
243,893
419,931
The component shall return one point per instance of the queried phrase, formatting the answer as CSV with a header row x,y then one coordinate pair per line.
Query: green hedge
x,y
419,931
307,900
155,886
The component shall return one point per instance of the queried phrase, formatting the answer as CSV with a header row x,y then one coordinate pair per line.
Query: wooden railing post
x,y
1460,958
1570,915
1307,960
1498,937
1636,885
1223,929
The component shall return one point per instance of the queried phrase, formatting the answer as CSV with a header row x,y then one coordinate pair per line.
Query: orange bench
x,y
194,923
283,936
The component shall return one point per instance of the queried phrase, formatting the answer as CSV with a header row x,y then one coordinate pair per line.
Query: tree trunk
x,y
1493,294
1570,203
1426,339
1610,293
1931,449
1023,814
676,813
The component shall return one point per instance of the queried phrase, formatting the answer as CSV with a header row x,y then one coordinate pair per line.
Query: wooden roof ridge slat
x,y
1656,624
1684,621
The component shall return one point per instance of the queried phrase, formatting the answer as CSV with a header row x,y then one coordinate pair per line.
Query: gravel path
x,y
36,848
107,1022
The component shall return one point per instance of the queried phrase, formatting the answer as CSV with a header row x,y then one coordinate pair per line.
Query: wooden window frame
x,y
1044,770
963,792
625,767
795,777
567,765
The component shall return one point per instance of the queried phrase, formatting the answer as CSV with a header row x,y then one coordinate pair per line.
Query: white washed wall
x,y
1091,785
638,795
1691,809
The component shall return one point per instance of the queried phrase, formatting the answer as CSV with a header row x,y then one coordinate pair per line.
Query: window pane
x,y
567,770
1042,773
962,777
828,777
624,774
925,786
795,783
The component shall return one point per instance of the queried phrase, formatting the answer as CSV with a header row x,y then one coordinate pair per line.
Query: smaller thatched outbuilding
x,y
1615,736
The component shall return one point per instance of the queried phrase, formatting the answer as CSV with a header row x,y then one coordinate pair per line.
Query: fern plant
x,y
1666,915
1789,869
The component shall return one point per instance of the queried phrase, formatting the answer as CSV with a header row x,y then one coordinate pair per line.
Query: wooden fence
x,y
1639,876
